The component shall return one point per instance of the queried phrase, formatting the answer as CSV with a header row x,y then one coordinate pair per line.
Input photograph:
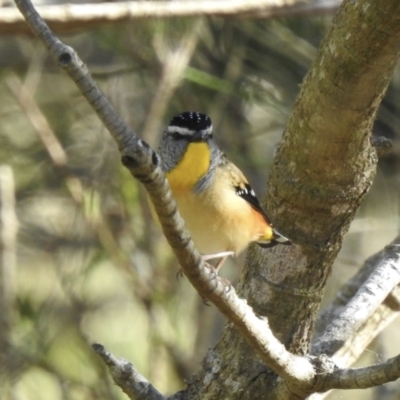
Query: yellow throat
x,y
193,166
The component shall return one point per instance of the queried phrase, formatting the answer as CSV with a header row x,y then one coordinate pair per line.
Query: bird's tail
x,y
276,239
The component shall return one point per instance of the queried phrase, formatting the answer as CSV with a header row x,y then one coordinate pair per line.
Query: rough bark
x,y
322,171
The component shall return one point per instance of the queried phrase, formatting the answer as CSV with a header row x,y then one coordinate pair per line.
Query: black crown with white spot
x,y
189,122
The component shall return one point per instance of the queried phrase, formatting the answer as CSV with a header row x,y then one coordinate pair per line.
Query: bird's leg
x,y
223,255
218,265
222,258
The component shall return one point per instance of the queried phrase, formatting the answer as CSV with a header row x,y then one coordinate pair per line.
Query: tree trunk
x,y
322,171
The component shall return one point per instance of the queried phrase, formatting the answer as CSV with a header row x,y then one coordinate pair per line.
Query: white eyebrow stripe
x,y
186,131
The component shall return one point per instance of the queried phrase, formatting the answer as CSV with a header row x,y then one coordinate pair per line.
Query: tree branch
x,y
70,17
328,377
364,378
345,294
348,290
367,299
126,377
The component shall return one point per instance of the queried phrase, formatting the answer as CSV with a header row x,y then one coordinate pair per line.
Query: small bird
x,y
221,210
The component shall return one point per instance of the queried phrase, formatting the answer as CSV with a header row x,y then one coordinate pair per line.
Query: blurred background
x,y
81,258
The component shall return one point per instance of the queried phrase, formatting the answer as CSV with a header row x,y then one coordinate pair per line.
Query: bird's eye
x,y
177,135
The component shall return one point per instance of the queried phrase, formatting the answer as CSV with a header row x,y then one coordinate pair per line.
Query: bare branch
x,y
126,376
81,16
367,299
348,290
363,378
357,343
379,320
137,387
345,294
